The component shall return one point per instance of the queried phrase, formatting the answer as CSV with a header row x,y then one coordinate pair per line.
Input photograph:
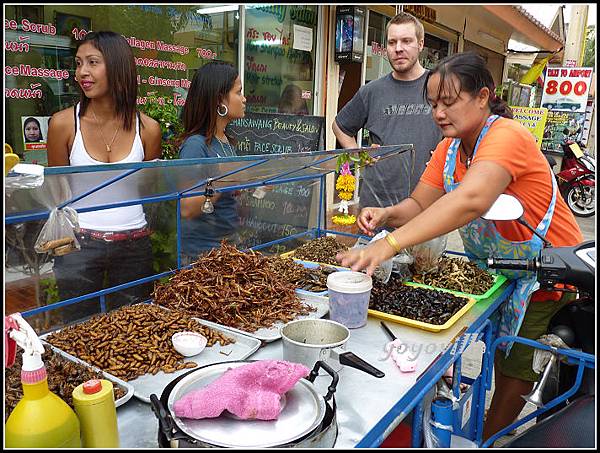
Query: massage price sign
x,y
567,89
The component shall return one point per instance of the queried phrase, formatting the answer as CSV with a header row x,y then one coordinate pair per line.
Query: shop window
x,y
377,59
280,55
169,43
434,49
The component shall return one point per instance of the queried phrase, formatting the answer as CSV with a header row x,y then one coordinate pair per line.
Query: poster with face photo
x,y
35,132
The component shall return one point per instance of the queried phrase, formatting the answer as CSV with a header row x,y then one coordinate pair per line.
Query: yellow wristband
x,y
393,243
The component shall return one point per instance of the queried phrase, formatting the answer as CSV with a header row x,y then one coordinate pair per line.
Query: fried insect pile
x,y
314,279
233,288
458,275
132,341
420,304
321,250
63,377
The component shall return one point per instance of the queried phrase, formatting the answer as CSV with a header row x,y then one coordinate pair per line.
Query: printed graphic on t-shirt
x,y
407,109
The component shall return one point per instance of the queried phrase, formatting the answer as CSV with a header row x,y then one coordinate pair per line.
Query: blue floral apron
x,y
481,240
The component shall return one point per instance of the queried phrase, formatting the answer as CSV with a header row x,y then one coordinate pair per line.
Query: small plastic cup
x,y
349,294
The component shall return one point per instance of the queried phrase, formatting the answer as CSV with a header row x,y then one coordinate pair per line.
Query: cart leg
x,y
417,428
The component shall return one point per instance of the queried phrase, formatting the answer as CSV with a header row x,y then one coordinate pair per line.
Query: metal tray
x,y
243,347
290,254
143,386
499,279
313,265
303,410
109,377
268,334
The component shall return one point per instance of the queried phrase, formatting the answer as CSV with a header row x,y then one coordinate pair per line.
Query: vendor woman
x,y
484,153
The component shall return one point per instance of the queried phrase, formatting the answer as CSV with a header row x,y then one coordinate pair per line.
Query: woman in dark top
x,y
214,100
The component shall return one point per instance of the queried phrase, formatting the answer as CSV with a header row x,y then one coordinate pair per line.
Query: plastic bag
x,y
58,233
426,255
384,270
24,176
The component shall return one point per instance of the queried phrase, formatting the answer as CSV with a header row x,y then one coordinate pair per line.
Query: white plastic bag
x,y
58,233
384,270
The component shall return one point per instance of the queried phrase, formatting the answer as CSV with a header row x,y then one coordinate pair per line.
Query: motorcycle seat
x,y
574,426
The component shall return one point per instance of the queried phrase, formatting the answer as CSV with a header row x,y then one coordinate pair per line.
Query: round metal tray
x,y
303,411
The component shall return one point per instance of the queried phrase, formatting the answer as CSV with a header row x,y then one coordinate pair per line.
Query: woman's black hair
x,y
121,73
31,119
472,74
210,85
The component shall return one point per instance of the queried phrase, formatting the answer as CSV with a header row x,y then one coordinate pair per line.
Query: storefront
x,y
283,52
274,48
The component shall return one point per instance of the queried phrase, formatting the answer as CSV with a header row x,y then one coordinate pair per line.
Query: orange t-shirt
x,y
512,146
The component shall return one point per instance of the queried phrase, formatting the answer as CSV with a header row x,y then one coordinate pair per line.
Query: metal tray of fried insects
x,y
243,347
143,386
268,334
129,390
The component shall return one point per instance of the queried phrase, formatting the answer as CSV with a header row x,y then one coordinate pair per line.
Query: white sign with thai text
x,y
303,38
566,89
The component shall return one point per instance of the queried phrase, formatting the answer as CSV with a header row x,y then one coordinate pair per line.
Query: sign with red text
x,y
566,89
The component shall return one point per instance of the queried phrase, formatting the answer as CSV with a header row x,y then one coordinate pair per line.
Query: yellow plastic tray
x,y
424,325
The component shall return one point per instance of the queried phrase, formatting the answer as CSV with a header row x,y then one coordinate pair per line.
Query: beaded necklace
x,y
231,152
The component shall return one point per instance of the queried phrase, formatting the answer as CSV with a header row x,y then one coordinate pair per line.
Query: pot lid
x,y
303,410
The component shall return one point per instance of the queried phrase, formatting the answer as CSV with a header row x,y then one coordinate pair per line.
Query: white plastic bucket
x,y
349,294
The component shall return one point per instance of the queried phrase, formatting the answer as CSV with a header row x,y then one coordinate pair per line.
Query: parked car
x,y
562,104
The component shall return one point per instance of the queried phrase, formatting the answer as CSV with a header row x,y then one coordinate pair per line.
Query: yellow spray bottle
x,y
41,419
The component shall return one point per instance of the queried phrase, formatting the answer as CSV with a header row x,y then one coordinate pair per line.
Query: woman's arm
x,y
481,186
151,137
422,197
61,133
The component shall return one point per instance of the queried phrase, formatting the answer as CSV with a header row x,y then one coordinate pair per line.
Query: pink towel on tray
x,y
251,391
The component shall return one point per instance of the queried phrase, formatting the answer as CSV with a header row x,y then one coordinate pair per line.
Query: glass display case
x,y
281,197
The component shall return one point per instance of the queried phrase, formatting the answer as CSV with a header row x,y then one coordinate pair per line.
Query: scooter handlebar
x,y
512,264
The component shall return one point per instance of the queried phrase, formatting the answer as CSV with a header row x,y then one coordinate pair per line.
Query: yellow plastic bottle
x,y
94,403
41,419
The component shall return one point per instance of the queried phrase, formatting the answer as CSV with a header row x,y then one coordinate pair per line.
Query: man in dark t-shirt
x,y
395,111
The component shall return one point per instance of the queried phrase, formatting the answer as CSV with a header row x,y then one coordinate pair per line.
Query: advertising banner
x,y
566,89
533,119
561,126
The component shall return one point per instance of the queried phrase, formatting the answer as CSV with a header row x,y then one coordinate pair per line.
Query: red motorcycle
x,y
577,176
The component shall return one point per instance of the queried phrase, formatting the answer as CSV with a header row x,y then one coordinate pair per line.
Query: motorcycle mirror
x,y
506,207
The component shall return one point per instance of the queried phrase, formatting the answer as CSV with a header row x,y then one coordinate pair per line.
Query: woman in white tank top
x,y
104,127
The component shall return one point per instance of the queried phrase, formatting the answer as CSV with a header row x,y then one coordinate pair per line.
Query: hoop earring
x,y
224,113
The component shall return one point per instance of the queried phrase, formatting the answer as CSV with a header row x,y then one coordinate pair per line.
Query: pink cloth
x,y
251,391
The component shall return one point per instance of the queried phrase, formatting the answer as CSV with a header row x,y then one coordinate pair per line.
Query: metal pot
x,y
307,420
308,341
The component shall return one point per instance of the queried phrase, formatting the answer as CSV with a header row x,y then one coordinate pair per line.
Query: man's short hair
x,y
405,18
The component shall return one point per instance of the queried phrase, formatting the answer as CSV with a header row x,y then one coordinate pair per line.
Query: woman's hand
x,y
367,257
371,218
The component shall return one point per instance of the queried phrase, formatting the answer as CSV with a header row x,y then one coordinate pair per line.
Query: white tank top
x,y
112,219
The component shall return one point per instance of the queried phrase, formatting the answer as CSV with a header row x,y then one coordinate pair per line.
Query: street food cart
x,y
364,409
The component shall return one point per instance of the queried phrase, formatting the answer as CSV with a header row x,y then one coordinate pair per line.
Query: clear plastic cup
x,y
349,294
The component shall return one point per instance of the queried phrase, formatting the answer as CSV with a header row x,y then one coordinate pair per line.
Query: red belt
x,y
112,236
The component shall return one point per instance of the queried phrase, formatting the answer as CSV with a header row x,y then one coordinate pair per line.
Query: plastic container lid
x,y
349,282
92,386
81,396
